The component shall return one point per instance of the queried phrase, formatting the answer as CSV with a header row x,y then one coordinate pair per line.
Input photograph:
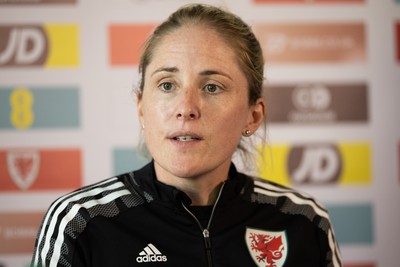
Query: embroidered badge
x,y
267,248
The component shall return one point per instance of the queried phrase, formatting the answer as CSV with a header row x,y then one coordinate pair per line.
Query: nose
x,y
186,116
188,107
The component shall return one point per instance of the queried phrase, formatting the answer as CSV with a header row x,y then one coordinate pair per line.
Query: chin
x,y
185,169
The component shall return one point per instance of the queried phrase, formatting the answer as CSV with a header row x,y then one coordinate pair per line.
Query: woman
x,y
200,94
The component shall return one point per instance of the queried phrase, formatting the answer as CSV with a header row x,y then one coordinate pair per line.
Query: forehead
x,y
195,43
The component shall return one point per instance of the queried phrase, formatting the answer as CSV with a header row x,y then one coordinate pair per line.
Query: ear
x,y
139,107
256,115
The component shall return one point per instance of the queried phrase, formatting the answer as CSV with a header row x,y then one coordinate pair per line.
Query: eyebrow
x,y
202,73
214,72
166,69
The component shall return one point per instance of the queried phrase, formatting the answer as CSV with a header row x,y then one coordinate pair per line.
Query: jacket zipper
x,y
206,231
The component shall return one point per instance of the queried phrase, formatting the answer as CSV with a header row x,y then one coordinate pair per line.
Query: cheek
x,y
230,126
152,120
153,111
152,126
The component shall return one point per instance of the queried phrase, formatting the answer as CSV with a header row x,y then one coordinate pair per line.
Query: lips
x,y
185,137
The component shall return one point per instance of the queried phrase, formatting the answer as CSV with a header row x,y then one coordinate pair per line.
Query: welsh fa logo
x,y
23,166
267,248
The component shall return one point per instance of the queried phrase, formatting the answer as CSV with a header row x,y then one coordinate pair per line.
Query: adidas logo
x,y
151,254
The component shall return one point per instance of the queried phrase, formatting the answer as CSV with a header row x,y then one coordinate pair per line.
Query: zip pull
x,y
207,241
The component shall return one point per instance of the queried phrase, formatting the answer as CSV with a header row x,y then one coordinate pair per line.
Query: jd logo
x,y
311,98
317,164
22,45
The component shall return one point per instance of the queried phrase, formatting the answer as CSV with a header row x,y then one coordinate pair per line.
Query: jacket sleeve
x,y
56,239
330,253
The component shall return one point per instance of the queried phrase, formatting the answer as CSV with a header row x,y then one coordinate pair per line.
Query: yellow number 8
x,y
21,100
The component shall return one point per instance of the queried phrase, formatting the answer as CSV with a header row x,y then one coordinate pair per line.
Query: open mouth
x,y
186,138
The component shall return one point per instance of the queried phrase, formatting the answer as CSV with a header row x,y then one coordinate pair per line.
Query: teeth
x,y
185,138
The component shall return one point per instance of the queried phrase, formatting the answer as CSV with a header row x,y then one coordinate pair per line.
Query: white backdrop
x,y
105,126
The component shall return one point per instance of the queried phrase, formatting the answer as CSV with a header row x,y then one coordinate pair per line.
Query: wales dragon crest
x,y
267,248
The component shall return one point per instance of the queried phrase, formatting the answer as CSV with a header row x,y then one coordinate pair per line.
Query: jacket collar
x,y
146,182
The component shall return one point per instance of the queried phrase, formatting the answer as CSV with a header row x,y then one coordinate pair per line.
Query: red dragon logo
x,y
267,248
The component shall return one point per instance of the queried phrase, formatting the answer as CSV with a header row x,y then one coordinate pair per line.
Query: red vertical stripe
x,y
126,43
59,169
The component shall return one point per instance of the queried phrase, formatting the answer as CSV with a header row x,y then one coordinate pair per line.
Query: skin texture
x,y
194,109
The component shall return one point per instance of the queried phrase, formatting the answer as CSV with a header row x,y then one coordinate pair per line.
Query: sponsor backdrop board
x,y
47,45
68,70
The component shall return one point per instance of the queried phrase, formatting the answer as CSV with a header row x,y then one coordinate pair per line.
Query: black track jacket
x,y
134,220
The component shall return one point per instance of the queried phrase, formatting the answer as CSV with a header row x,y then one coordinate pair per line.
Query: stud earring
x,y
247,132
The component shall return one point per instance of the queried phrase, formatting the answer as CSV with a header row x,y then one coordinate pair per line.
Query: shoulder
x,y
290,201
105,198
95,199
293,202
67,217
71,212
100,192
80,203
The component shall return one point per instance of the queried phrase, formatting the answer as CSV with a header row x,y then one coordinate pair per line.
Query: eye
x,y
212,88
167,86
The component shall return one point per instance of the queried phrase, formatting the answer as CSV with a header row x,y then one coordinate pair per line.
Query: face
x,y
194,106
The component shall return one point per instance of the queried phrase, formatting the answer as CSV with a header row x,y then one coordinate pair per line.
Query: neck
x,y
203,197
203,190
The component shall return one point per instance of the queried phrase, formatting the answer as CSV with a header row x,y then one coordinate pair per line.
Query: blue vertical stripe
x,y
353,223
57,108
51,108
127,159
